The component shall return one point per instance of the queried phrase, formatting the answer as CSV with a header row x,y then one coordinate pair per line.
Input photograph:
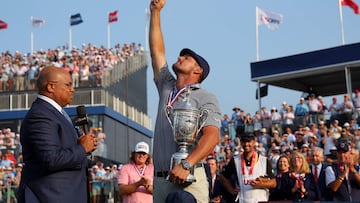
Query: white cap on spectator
x,y
142,147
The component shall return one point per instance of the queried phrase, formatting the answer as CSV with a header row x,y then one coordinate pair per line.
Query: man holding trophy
x,y
188,120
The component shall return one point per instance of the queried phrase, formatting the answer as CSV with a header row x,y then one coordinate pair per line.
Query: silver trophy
x,y
186,123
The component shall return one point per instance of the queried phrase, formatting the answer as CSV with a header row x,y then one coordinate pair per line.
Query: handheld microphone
x,y
82,119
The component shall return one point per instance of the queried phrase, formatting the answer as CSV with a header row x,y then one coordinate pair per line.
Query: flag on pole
x,y
3,25
113,16
75,19
37,22
272,20
352,4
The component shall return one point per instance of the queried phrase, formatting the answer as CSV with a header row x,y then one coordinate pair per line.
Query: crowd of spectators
x,y
10,163
305,128
19,71
310,123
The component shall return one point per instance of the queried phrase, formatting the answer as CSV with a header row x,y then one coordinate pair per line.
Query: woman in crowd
x,y
136,178
249,123
257,121
288,118
298,184
282,168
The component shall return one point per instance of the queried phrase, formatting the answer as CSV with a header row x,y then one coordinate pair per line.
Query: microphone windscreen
x,y
81,111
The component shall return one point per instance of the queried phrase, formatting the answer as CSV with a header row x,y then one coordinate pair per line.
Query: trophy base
x,y
175,160
190,179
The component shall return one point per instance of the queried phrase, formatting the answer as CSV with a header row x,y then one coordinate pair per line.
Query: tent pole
x,y
348,81
258,94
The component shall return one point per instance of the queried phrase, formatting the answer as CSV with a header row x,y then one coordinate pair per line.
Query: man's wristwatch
x,y
185,164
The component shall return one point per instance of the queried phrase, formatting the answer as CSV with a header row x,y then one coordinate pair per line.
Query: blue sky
x,y
223,32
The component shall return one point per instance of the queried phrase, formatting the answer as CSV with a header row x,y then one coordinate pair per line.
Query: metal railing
x,y
8,193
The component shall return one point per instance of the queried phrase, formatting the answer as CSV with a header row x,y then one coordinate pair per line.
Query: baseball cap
x,y
210,157
247,137
142,147
305,145
18,165
343,145
200,60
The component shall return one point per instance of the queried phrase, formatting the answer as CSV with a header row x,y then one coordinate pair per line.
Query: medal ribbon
x,y
254,159
173,97
141,171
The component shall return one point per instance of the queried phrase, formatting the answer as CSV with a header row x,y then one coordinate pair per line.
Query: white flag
x,y
37,22
272,20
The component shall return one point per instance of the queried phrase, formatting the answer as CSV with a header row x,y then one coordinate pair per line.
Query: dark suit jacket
x,y
324,192
54,164
218,188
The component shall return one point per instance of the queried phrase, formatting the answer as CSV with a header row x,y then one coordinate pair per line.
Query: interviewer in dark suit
x,y
55,156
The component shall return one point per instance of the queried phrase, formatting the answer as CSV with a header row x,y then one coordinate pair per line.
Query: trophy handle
x,y
167,113
202,119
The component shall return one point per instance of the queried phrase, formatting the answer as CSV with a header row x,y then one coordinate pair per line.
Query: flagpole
x,y
70,34
146,28
31,36
108,33
257,34
341,23
257,54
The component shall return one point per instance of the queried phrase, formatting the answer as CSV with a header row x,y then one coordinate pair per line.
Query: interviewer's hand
x,y
88,141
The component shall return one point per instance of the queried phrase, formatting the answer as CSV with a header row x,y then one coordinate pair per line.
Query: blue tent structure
x,y
325,72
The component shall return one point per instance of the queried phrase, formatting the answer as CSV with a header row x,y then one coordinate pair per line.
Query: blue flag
x,y
75,19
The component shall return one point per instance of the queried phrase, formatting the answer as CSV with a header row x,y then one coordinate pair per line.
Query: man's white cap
x,y
142,147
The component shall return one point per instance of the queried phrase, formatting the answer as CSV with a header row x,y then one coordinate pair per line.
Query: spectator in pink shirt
x,y
136,178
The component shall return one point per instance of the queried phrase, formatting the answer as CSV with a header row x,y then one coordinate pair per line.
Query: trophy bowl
x,y
186,122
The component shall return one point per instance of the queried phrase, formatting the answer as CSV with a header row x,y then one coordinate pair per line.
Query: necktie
x,y
66,116
316,174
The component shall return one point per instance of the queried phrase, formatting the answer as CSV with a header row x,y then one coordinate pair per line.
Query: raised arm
x,y
156,40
